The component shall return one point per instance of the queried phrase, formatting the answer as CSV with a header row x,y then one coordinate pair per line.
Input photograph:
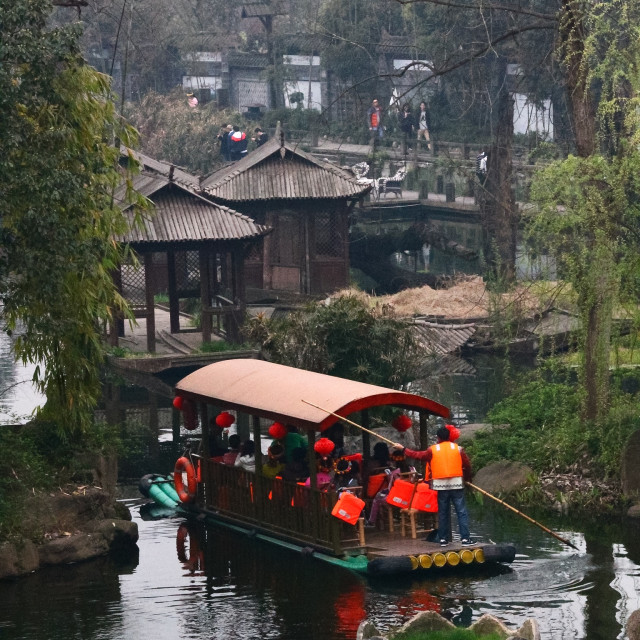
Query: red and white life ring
x,y
184,466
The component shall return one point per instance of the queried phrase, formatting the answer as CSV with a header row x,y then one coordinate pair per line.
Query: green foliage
x,y
59,170
545,429
36,458
344,338
171,130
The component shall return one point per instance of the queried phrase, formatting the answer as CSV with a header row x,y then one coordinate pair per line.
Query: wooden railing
x,y
293,512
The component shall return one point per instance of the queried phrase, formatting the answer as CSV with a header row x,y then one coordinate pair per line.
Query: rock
x,y
487,625
18,559
78,524
367,631
634,511
633,626
429,621
503,477
426,621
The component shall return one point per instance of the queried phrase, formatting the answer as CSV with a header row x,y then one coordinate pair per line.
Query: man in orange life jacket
x,y
450,467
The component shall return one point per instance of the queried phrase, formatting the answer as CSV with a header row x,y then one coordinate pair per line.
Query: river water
x,y
225,586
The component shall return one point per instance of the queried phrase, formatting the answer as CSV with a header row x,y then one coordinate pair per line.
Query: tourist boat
x,y
306,519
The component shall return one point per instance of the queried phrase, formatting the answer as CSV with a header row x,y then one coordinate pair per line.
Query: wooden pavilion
x,y
305,201
190,246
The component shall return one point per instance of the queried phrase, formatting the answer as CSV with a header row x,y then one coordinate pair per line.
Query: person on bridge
x,y
374,121
450,467
407,126
423,125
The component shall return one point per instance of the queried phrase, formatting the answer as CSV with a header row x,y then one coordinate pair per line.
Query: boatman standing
x,y
450,467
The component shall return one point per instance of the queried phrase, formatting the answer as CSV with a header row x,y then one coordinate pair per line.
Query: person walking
x,y
405,119
223,137
237,144
450,467
374,122
423,124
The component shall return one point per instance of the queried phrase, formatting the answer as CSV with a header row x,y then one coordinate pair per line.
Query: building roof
x,y
439,339
281,171
179,215
287,394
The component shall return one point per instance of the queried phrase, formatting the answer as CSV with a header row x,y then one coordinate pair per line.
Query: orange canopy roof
x,y
277,392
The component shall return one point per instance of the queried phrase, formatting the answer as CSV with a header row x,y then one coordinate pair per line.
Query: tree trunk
x,y
598,290
596,301
581,105
496,201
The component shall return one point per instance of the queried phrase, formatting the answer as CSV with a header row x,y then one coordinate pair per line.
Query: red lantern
x,y
277,431
454,432
401,423
224,420
324,447
178,401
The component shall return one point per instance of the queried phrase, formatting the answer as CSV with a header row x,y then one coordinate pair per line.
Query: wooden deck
x,y
384,544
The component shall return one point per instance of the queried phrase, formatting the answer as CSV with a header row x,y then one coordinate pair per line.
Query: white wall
x,y
303,87
527,117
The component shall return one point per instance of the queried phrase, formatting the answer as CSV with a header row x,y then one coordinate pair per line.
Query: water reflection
x,y
210,583
18,397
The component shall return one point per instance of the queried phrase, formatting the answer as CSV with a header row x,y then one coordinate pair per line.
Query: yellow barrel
x,y
439,559
414,563
425,561
478,554
453,558
466,555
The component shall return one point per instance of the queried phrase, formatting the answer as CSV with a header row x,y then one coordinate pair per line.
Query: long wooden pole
x,y
473,486
355,424
524,515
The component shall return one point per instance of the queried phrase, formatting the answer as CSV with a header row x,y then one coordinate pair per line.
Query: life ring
x,y
184,465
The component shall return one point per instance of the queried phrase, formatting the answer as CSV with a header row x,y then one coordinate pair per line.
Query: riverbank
x,y
70,525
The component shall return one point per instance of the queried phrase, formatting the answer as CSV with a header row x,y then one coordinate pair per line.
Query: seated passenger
x,y
293,440
247,458
324,476
274,464
297,469
347,475
234,449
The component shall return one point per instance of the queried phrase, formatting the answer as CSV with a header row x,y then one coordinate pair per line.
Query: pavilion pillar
x,y
306,268
116,324
174,302
205,293
366,446
150,304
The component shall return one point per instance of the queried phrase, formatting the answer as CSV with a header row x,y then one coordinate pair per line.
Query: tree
x,y
344,338
58,217
589,202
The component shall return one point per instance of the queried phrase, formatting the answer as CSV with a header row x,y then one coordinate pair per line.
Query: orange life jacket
x,y
446,461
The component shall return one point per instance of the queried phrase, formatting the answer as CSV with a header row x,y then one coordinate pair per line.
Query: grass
x,y
219,346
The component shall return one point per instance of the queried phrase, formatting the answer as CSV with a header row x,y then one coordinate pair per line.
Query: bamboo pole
x,y
355,424
523,515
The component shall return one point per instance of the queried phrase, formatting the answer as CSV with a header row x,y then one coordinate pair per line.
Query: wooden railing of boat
x,y
289,511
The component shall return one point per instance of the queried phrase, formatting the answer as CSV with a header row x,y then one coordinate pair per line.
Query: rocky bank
x,y
73,524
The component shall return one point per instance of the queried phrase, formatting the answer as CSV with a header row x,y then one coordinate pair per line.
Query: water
x,y
223,586
18,398
219,585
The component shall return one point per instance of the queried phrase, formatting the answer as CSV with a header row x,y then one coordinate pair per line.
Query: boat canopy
x,y
286,394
